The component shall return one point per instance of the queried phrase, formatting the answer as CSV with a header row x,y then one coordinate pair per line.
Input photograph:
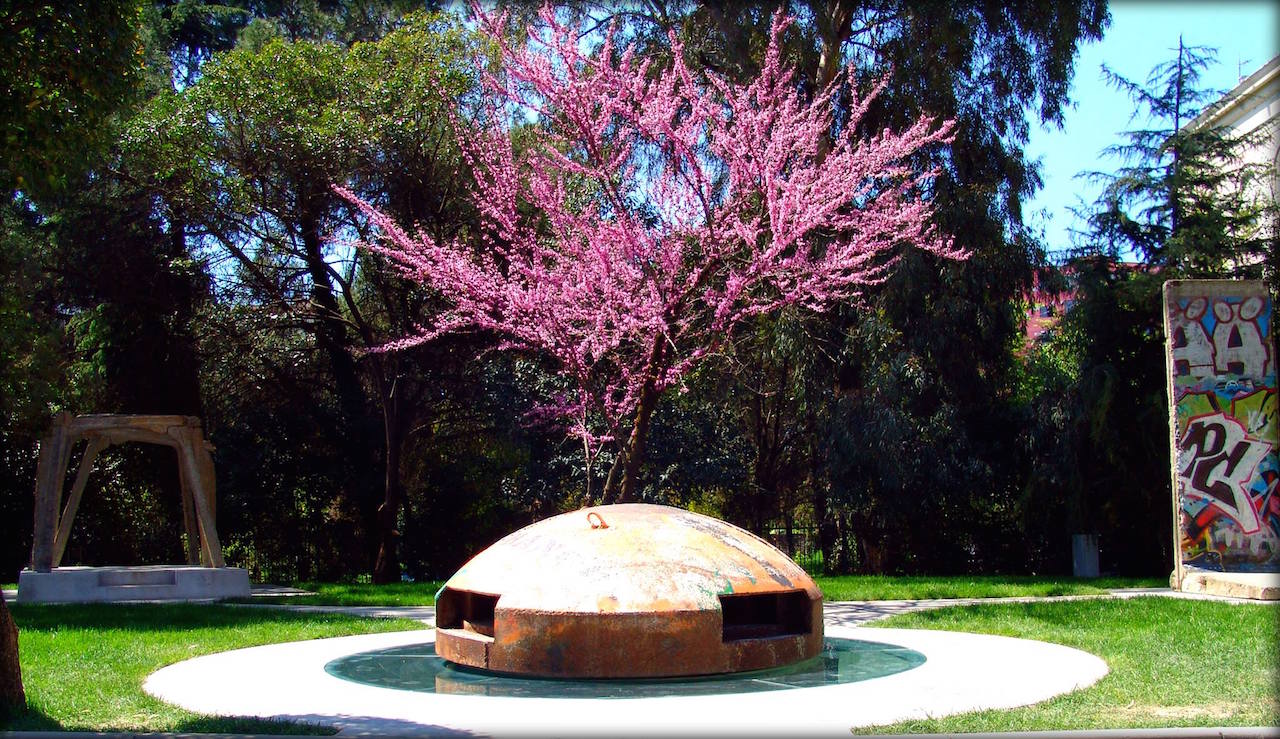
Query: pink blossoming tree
x,y
657,211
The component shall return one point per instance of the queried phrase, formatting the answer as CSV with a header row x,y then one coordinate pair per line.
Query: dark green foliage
x,y
120,297
286,509
68,67
92,341
478,473
246,157
32,350
1101,439
197,266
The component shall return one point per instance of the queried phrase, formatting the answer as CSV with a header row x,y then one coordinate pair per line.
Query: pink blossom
x,y
671,207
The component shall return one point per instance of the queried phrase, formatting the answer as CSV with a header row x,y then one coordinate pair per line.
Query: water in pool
x,y
417,667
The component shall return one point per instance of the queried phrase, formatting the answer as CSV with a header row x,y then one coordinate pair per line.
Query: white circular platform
x,y
963,672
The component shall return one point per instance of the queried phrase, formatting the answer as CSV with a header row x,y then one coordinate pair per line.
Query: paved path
x,y
836,613
839,613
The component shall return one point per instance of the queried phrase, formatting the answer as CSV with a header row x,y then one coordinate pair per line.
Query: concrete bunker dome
x,y
629,591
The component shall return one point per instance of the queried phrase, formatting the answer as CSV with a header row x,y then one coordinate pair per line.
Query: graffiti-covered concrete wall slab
x,y
1224,427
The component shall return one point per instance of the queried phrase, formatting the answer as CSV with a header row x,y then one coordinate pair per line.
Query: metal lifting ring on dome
x,y
597,523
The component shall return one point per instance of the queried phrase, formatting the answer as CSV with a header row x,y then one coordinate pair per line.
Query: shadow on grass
x,y
153,617
215,725
34,720
29,719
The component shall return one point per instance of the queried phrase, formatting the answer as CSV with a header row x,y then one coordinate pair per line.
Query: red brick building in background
x,y
1046,306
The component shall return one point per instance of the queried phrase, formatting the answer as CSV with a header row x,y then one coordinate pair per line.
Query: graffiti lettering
x,y
1226,423
1217,459
1238,348
1192,352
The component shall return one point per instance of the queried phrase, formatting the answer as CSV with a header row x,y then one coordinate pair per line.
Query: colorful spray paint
x,y
1221,359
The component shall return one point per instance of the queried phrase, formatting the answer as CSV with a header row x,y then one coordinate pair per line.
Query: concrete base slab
x,y
1251,585
962,672
114,584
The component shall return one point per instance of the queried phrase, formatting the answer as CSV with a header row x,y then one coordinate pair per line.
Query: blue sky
x,y
1141,35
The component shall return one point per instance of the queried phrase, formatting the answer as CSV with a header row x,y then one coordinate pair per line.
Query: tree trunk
x,y
12,697
835,26
387,567
333,339
635,446
871,545
632,454
826,541
330,329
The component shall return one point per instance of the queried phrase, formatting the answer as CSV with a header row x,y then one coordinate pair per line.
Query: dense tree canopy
x,y
182,250
68,68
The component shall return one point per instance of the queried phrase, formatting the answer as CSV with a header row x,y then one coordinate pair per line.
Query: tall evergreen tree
x,y
1186,199
1183,204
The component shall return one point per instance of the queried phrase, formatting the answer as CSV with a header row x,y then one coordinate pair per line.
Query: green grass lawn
x,y
83,665
876,587
844,587
1173,663
358,594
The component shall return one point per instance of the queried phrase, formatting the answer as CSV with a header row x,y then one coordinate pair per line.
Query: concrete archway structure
x,y
204,576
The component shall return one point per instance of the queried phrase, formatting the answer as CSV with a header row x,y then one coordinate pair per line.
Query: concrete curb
x,y
963,672
131,735
1191,732
1196,732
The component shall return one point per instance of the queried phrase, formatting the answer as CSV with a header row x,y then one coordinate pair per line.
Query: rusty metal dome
x,y
629,590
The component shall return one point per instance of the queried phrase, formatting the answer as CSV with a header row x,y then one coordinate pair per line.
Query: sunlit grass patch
x,y
884,587
359,594
83,665
1173,663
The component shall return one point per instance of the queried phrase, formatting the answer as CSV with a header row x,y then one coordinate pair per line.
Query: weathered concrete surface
x,y
1250,585
111,584
629,591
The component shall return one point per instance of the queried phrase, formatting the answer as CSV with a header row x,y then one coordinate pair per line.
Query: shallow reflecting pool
x,y
417,667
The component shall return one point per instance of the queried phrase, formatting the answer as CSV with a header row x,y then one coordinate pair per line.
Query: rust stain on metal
x,y
629,590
